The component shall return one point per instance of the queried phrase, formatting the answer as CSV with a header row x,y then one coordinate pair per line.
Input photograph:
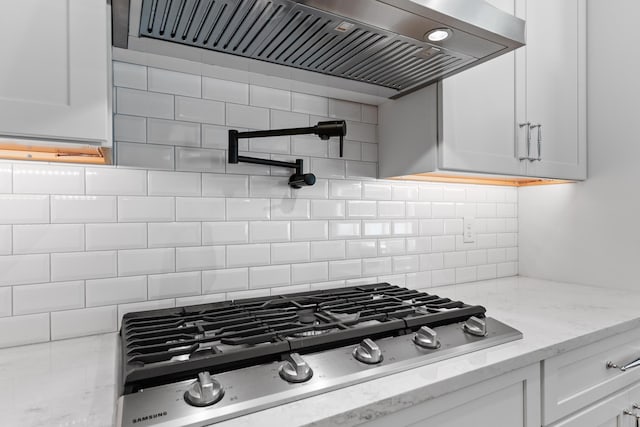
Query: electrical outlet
x,y
469,230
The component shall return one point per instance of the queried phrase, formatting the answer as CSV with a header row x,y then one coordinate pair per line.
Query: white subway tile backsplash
x,y
24,269
5,302
23,209
200,209
200,299
225,233
116,181
327,209
344,229
218,137
119,290
431,227
81,209
391,246
146,209
455,259
466,274
6,178
344,110
309,146
376,191
229,280
129,75
329,250
200,110
374,228
135,262
6,245
247,117
406,264
248,209
129,128
174,285
47,297
369,152
287,119
87,321
148,156
443,210
170,132
142,103
276,144
174,184
328,168
345,269
339,189
310,272
282,253
370,114
83,265
248,255
310,104
33,178
254,293
142,306
418,245
270,231
270,98
405,228
200,258
376,266
290,209
361,209
225,90
485,272
265,186
443,243
219,185
361,248
418,210
270,276
362,170
174,234
173,82
20,330
33,239
310,230
404,192
391,209
362,132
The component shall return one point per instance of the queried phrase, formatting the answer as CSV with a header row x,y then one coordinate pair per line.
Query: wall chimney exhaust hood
x,y
384,47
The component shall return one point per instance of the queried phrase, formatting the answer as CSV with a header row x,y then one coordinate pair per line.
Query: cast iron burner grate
x,y
162,346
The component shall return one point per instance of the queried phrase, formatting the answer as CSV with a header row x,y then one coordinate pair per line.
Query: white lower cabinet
x,y
510,400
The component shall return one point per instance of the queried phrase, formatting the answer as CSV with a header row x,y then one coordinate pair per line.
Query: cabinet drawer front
x,y
607,413
575,379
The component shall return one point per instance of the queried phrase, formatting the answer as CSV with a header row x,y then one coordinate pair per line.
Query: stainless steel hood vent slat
x,y
296,35
379,42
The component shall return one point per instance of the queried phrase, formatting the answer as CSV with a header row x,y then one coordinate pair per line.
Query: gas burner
x,y
344,317
310,333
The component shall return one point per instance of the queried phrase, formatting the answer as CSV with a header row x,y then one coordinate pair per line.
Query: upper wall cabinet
x,y
522,114
55,78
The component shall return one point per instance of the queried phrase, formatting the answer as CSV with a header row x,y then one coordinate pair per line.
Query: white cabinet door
x,y
510,400
556,86
478,130
54,78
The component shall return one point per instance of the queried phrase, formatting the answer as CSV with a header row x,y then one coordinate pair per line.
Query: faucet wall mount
x,y
324,130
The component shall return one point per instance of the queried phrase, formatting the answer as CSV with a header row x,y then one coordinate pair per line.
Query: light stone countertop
x,y
73,382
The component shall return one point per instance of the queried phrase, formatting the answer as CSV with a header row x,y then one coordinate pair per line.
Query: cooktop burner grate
x,y
166,345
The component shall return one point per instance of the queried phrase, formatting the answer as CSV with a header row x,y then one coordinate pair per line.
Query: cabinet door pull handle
x,y
623,368
633,414
528,126
538,141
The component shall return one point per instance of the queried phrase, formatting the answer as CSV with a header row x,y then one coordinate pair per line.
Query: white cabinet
x,y
510,400
479,112
478,128
55,78
556,94
579,390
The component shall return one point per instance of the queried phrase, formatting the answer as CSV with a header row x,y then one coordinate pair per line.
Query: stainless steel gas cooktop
x,y
198,365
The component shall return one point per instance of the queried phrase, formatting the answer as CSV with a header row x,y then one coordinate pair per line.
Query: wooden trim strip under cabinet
x,y
479,179
80,154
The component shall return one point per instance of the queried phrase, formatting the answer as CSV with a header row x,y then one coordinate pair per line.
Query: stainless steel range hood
x,y
380,43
